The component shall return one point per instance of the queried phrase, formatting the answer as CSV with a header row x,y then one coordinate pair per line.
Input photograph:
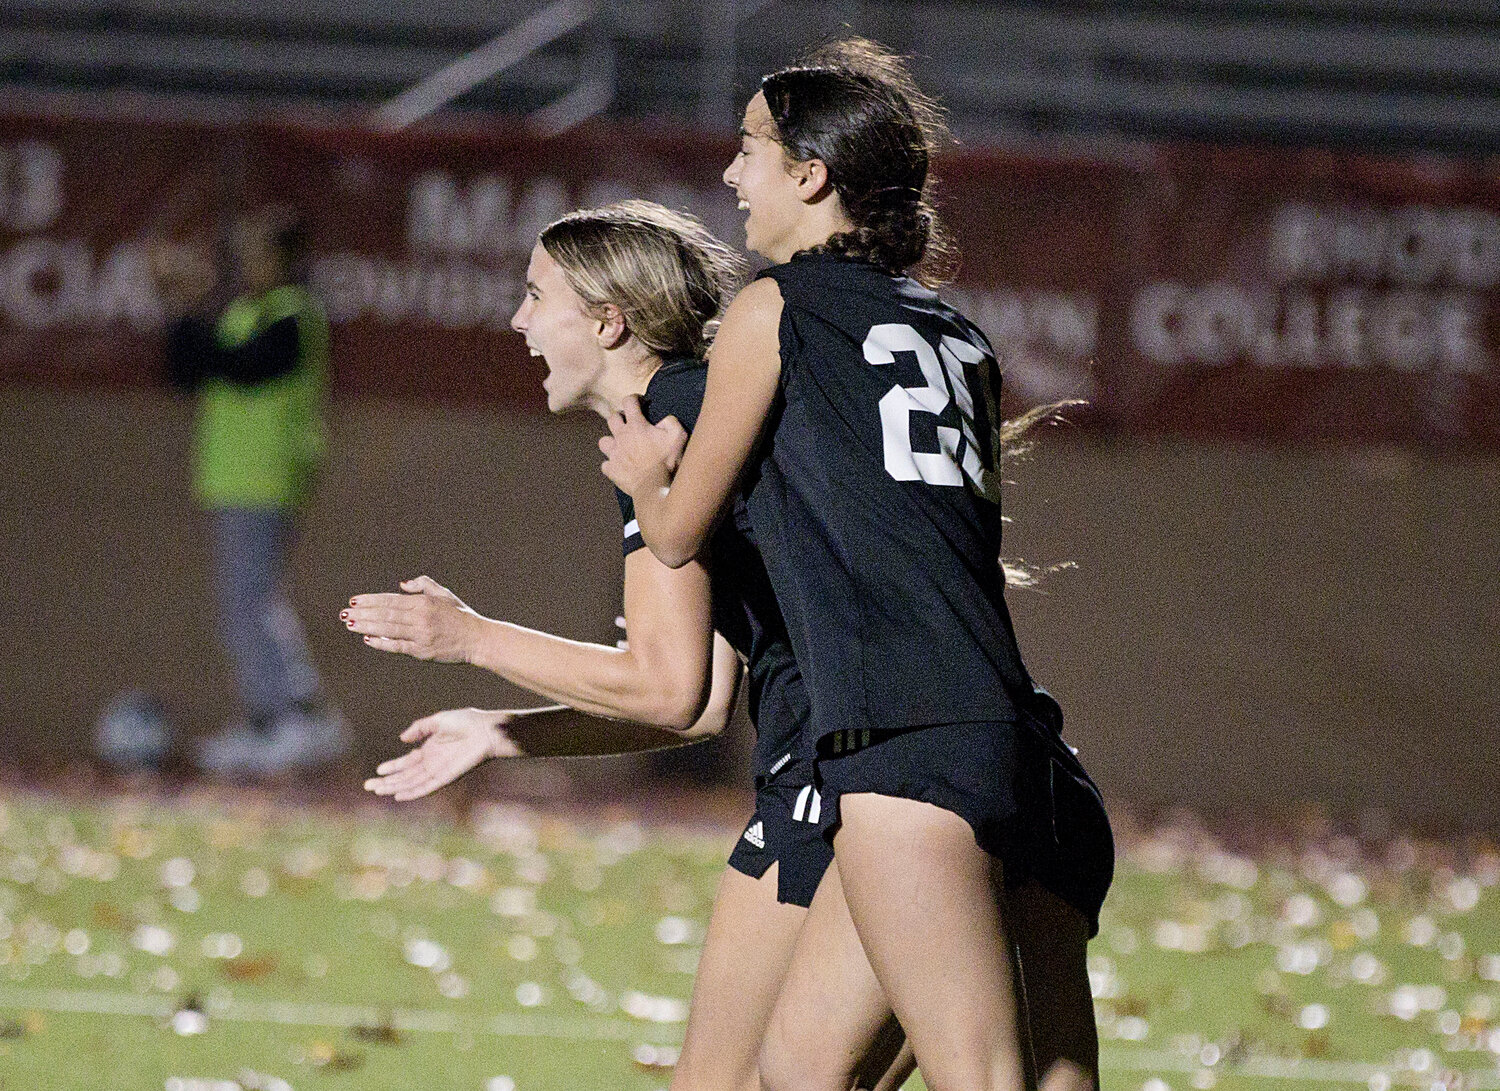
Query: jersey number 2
x,y
944,370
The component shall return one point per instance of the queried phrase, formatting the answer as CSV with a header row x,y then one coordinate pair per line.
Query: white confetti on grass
x,y
153,939
675,930
1313,1017
1463,894
1366,969
189,1022
222,945
1347,889
1421,931
177,872
653,1009
1299,958
654,1056
513,901
428,955
1301,911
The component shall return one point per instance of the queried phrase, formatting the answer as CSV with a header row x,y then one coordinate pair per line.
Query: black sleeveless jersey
x,y
745,611
875,500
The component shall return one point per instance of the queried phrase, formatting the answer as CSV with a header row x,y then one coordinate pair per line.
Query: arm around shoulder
x,y
744,371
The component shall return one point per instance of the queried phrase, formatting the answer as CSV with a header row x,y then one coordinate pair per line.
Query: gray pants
x,y
260,632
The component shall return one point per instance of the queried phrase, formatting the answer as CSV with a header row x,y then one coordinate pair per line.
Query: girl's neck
x,y
821,221
624,374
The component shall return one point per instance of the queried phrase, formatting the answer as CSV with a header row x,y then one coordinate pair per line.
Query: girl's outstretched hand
x,y
425,621
449,744
641,456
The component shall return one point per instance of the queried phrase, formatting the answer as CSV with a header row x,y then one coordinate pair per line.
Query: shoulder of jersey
x,y
676,390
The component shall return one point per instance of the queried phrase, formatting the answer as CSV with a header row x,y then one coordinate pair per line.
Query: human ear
x,y
812,179
612,330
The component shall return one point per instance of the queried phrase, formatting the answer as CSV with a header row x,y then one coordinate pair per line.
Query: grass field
x,y
220,945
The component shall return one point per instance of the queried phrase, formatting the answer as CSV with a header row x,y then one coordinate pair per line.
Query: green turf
x,y
334,950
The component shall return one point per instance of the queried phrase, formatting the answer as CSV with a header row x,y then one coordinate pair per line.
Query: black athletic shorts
x,y
786,829
1020,787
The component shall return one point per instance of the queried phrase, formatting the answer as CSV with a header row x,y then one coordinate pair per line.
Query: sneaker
x,y
233,750
294,740
301,740
133,733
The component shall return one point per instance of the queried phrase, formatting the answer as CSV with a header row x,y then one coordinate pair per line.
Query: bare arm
x,y
446,745
558,731
678,514
661,678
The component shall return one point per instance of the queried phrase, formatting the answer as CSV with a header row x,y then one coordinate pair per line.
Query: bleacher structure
x,y
1378,74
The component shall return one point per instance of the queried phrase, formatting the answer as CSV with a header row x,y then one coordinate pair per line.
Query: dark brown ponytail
x,y
854,105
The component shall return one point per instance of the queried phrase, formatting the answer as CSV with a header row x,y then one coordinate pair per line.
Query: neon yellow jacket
x,y
258,445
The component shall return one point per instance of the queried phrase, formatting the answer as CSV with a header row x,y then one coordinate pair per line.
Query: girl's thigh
x,y
928,906
745,956
832,1028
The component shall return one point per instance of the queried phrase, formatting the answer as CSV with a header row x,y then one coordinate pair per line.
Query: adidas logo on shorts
x,y
756,834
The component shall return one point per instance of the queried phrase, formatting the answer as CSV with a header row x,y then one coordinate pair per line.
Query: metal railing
x,y
1374,73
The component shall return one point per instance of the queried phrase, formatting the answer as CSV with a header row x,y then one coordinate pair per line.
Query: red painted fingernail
x,y
366,640
343,613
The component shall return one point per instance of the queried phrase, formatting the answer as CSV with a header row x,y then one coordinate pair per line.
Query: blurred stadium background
x,y
1261,237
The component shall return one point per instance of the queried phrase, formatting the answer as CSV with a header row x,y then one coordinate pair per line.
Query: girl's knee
x,y
707,1078
706,1064
778,1063
797,1064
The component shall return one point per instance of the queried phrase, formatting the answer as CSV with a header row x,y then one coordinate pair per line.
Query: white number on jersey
x,y
944,371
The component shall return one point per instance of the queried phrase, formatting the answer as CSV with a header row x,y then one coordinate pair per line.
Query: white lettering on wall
x,y
49,283
1416,245
1045,341
469,238
1351,287
31,186
1403,329
451,293
485,216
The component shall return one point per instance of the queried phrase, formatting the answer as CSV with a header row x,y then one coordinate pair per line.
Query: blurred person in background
x,y
255,356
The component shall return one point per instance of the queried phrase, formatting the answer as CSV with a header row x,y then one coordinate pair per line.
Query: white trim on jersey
x,y
632,528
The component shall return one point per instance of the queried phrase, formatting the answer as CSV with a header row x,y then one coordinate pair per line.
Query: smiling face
x,y
558,328
768,190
